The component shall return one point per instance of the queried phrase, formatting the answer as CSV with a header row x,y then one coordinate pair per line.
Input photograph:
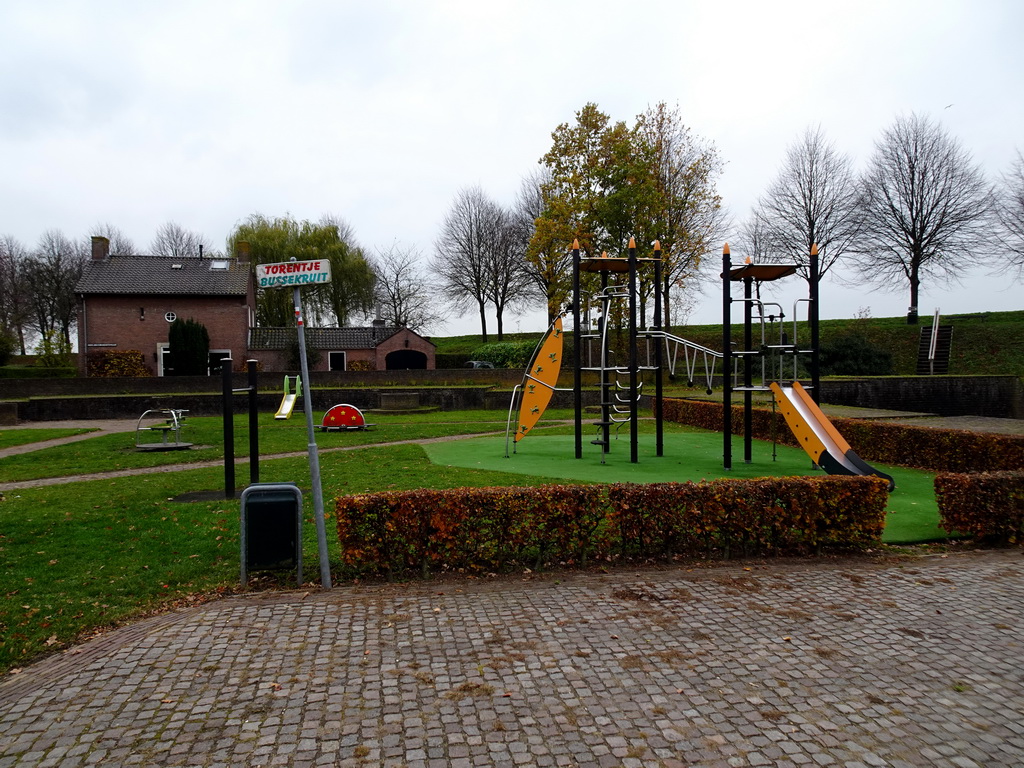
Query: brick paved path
x,y
848,663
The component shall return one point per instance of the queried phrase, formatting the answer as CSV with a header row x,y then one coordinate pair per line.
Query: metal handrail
x,y
934,345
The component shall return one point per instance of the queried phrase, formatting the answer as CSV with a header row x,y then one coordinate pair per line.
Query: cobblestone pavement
x,y
851,662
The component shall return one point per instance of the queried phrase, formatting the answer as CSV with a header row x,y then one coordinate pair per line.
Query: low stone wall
x,y
367,399
53,399
13,389
995,396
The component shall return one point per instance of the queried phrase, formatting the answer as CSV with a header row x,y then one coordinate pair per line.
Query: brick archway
x,y
402,359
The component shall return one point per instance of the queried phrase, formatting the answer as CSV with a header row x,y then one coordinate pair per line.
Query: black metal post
x,y
229,429
577,350
606,395
815,278
254,425
634,420
726,358
659,423
748,368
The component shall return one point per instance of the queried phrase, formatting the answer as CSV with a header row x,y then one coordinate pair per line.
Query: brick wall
x,y
398,344
138,322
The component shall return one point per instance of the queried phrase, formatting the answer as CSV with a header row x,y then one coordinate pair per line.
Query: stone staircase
x,y
940,365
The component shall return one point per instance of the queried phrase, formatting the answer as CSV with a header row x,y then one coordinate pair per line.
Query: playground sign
x,y
293,274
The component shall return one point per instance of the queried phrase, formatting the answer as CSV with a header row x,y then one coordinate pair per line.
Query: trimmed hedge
x,y
937,450
987,505
506,354
495,528
19,372
446,361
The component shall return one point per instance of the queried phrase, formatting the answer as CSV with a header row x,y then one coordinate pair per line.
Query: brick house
x,y
129,302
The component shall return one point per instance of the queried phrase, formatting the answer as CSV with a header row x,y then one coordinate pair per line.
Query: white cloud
x,y
204,112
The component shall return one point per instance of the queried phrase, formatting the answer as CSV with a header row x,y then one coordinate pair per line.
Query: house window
x,y
170,317
336,361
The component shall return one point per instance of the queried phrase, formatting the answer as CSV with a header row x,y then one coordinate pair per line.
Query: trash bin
x,y
271,528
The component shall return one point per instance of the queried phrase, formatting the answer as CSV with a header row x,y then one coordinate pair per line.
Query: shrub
x,y
54,351
493,528
937,450
36,372
313,356
361,365
8,345
189,347
117,362
451,360
853,355
985,505
506,354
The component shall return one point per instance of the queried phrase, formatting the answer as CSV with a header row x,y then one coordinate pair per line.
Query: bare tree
x,y
120,243
50,274
15,299
174,241
405,294
508,282
1011,216
927,208
686,213
462,253
814,199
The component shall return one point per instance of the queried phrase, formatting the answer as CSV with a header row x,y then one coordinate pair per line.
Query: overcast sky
x,y
379,111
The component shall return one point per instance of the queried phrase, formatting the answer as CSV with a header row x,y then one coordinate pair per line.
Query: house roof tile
x,y
163,275
322,338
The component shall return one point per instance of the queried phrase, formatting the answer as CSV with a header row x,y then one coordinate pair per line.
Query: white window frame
x,y
330,365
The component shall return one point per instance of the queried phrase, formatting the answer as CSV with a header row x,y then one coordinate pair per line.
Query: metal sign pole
x,y
314,456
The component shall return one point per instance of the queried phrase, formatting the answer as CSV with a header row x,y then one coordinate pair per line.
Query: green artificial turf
x,y
688,456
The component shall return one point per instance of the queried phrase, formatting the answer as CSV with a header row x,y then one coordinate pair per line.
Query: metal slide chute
x,y
291,394
818,436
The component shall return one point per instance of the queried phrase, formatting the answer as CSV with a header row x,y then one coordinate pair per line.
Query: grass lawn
x,y
88,554
12,437
117,451
80,556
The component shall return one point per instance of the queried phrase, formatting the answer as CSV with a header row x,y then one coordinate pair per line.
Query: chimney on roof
x,y
242,251
100,248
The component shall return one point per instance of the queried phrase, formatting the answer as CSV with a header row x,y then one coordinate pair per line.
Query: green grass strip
x,y
12,437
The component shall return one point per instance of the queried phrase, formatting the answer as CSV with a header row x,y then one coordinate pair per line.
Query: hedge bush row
x,y
986,505
936,450
506,354
495,528
22,372
117,362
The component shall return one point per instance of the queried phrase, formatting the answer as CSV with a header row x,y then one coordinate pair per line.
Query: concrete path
x,y
850,663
